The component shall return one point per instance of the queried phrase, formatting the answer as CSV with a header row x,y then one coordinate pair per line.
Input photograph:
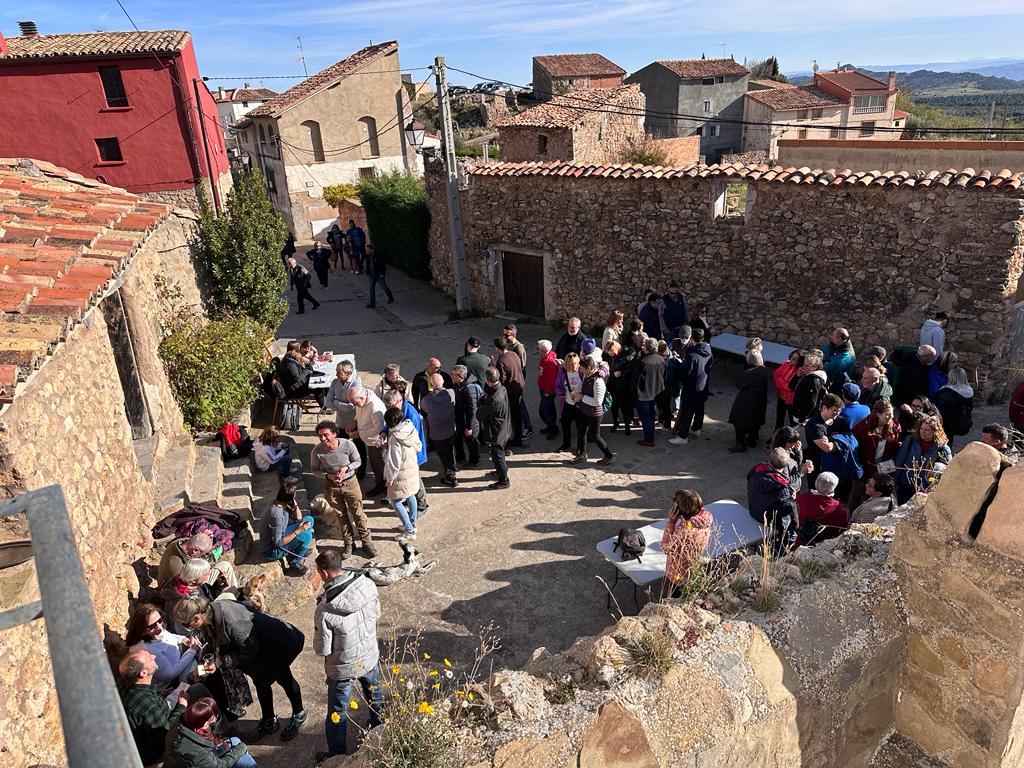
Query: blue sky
x,y
497,38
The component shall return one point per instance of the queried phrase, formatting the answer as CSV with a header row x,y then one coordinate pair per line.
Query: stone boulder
x,y
519,696
553,752
963,489
617,739
1002,529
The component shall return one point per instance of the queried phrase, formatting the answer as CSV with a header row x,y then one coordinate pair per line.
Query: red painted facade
x,y
55,109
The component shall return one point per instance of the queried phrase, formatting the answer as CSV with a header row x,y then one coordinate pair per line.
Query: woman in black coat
x,y
747,415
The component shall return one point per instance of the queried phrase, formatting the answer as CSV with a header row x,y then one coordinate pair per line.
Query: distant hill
x,y
926,83
1011,68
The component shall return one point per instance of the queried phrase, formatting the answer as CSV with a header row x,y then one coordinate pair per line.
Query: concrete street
x,y
522,559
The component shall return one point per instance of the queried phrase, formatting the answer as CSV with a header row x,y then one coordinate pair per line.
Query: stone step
x,y
207,479
278,592
172,473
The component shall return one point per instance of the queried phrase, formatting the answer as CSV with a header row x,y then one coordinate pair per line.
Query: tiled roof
x,y
244,94
899,114
571,109
694,69
94,44
851,80
782,99
579,65
770,83
307,87
63,239
968,178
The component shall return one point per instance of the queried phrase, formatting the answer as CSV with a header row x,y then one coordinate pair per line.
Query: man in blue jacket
x,y
839,359
695,385
650,317
674,312
357,242
393,399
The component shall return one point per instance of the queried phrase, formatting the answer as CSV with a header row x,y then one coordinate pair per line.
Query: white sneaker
x,y
405,537
678,441
695,432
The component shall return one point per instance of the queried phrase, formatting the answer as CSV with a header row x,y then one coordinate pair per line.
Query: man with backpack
x,y
300,281
376,267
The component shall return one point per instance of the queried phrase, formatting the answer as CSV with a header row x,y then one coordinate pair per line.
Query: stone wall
x,y
866,154
521,143
189,198
803,258
67,425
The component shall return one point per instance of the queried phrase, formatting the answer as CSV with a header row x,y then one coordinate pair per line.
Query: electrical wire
x,y
304,77
610,109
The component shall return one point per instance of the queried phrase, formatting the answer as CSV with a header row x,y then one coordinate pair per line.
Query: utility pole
x,y
451,168
302,57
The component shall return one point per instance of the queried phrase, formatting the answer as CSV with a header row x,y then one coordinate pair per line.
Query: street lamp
x,y
414,133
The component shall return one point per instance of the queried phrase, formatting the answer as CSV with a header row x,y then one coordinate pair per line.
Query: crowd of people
x,y
853,437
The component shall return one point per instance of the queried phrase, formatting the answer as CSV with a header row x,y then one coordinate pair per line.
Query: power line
x,y
610,109
300,77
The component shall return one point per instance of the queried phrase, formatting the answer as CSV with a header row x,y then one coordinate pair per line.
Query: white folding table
x,y
773,353
733,528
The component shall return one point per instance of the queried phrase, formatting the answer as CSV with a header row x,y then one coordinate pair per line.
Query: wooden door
x,y
523,277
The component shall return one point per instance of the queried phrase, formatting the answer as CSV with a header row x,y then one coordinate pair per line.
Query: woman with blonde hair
x,y
269,454
686,536
568,393
612,328
922,457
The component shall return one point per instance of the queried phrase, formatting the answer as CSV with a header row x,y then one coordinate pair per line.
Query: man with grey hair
x,y
438,408
873,386
467,425
337,396
649,386
771,501
822,516
547,378
368,425
180,551
571,340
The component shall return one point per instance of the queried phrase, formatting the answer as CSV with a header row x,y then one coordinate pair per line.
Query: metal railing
x,y
96,732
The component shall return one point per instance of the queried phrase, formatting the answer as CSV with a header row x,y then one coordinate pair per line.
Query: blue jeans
x,y
295,549
282,465
645,409
527,424
339,693
407,516
547,411
373,289
245,761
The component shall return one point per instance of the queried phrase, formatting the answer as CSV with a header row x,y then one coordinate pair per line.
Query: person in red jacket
x,y
1017,407
686,536
822,516
782,378
546,384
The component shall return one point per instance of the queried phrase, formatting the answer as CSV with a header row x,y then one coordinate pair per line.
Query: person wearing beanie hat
x,y
822,516
588,348
853,410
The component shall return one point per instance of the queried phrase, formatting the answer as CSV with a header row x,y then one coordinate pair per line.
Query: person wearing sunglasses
x,y
175,654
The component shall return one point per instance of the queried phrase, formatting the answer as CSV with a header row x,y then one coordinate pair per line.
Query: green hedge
x,y
215,369
399,221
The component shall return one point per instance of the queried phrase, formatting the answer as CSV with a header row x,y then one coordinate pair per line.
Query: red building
x,y
126,108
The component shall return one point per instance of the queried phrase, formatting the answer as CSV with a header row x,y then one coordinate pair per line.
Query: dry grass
x,y
652,654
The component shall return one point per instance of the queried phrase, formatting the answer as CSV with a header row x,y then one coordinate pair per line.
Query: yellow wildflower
x,y
437,686
396,669
459,694
470,695
335,718
447,663
432,673
426,656
424,708
353,704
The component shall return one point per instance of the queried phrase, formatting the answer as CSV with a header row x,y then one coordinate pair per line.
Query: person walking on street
x,y
336,239
321,258
467,425
591,410
287,250
376,267
345,635
495,424
337,461
357,244
300,281
548,374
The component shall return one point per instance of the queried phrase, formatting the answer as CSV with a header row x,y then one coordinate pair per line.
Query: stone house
x,y
878,252
556,75
342,124
686,97
870,103
789,112
84,402
587,126
233,104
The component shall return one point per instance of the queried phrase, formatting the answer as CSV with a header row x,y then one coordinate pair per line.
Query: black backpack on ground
x,y
632,544
291,414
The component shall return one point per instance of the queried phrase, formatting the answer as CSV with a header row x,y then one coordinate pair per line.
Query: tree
x,y
336,194
398,218
239,255
766,69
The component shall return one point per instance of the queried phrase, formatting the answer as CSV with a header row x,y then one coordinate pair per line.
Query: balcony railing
x,y
867,110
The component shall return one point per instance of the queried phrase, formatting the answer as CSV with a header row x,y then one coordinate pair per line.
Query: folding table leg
x,y
608,601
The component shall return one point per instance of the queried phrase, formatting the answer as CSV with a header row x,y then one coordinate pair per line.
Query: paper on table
x,y
887,467
172,697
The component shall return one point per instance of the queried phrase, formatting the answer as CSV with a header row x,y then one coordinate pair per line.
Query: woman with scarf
x,y
686,536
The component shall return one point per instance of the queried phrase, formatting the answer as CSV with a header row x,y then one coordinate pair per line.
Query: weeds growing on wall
x,y
214,368
652,653
399,221
336,194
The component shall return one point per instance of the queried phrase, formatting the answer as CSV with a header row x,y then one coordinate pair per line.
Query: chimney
x,y
28,28
245,85
892,82
220,93
3,45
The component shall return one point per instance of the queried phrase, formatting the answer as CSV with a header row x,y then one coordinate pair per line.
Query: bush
x,y
239,255
645,152
653,653
214,369
399,221
336,194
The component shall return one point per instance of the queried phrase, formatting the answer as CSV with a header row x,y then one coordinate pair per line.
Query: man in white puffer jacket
x,y
345,634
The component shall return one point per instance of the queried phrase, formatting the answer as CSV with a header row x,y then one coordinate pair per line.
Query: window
x,y
816,114
707,106
833,133
245,105
714,130
262,141
699,131
110,150
271,181
316,143
719,80
542,144
368,173
801,114
864,104
708,81
803,133
732,201
275,143
113,87
868,128
370,129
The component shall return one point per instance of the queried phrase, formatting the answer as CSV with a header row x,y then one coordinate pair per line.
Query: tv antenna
x,y
301,58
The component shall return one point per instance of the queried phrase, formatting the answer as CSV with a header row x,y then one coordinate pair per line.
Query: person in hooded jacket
x,y
467,425
747,414
495,424
402,469
809,389
782,378
955,402
694,386
933,332
336,239
771,499
345,634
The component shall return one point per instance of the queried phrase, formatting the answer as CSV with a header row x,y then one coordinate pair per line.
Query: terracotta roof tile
x,y
307,87
966,178
852,80
695,69
61,242
94,44
783,99
579,65
574,108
